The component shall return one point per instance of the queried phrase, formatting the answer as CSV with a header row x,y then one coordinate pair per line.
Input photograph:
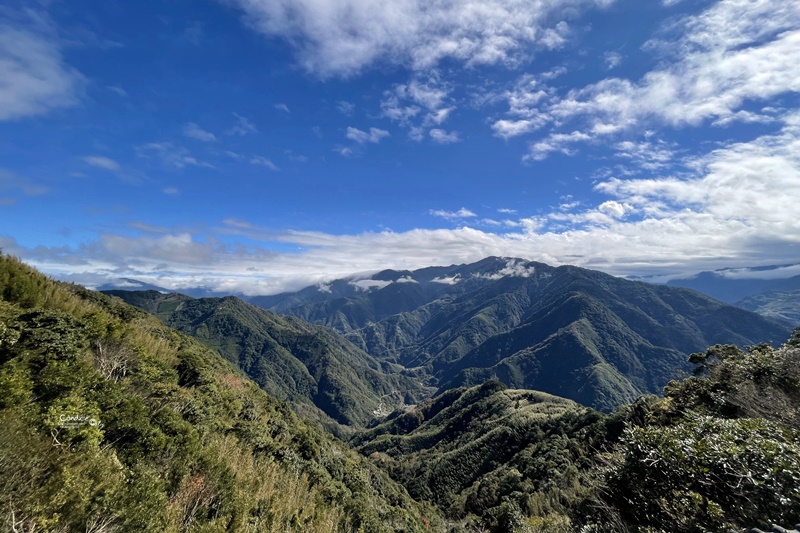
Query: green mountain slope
x,y
308,365
469,449
719,453
110,421
569,331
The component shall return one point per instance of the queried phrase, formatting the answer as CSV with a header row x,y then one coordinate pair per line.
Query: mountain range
x,y
112,421
594,338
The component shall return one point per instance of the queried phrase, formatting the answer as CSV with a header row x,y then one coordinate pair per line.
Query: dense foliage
x,y
110,421
720,452
318,371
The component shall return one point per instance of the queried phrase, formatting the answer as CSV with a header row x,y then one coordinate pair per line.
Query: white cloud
x,y
341,37
344,151
733,207
101,162
171,155
738,50
242,127
373,136
612,59
453,215
512,269
345,108
282,107
418,105
556,142
194,131
264,162
119,91
649,155
443,137
513,128
369,284
324,287
35,78
507,211
452,280
712,66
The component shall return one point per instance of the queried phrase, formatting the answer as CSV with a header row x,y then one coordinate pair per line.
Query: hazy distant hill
x,y
291,359
731,286
780,304
577,333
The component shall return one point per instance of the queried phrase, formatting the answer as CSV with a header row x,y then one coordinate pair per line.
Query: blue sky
x,y
262,145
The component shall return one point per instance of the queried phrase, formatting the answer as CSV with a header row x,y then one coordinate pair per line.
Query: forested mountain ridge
x,y
578,333
111,421
310,366
719,453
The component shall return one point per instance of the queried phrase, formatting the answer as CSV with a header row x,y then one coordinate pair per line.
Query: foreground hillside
x,y
577,333
720,452
310,366
110,421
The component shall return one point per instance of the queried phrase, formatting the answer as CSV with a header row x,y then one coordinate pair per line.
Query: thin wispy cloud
x,y
242,126
35,77
374,135
101,162
453,215
193,131
171,155
264,162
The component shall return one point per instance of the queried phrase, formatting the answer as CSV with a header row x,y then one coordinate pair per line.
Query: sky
x,y
257,146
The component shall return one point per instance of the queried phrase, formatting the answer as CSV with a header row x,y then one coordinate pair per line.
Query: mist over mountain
x,y
577,333
734,285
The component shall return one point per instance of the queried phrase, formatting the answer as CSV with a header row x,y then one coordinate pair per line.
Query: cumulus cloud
x,y
420,104
714,64
344,36
35,78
